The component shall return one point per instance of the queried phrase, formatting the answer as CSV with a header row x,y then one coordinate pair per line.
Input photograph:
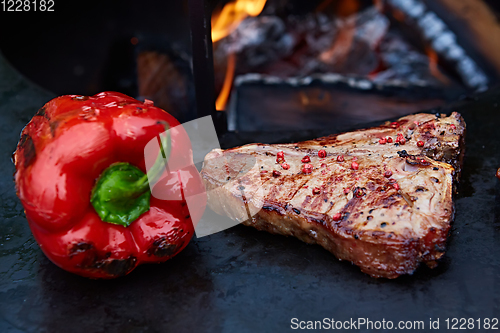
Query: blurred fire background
x,y
96,45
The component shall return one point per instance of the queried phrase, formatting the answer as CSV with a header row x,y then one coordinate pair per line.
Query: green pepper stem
x,y
122,192
159,165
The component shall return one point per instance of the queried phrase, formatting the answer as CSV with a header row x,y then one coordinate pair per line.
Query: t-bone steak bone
x,y
380,198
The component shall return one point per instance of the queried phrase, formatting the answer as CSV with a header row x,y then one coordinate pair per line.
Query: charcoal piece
x,y
259,40
403,62
347,55
313,34
371,26
305,44
318,29
346,46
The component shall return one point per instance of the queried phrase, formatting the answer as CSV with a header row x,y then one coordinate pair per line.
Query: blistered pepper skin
x,y
60,155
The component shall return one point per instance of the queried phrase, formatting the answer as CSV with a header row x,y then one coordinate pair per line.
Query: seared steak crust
x,y
385,206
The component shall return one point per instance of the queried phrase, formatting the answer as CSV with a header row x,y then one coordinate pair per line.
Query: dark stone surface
x,y
243,280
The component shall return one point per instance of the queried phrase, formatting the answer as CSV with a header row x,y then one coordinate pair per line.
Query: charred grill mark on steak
x,y
290,198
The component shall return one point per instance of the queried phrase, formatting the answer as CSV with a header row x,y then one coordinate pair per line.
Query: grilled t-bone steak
x,y
380,197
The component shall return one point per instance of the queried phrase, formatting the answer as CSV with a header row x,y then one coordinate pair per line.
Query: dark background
x,y
239,280
85,48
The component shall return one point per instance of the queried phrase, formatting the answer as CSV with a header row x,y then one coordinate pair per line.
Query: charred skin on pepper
x,y
100,261
42,113
27,147
162,247
112,267
79,247
53,123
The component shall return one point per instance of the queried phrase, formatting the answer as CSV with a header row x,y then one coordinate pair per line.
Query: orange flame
x,y
221,102
228,19
225,22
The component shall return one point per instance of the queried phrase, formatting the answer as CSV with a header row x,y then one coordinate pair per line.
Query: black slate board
x,y
243,280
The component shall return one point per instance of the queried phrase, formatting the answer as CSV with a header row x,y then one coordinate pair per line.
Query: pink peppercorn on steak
x,y
380,197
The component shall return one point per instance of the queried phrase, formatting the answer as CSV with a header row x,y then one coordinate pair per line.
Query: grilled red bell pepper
x,y
82,179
